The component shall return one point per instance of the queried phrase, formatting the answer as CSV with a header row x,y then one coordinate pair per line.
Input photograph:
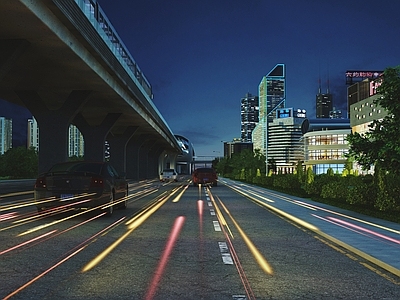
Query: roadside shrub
x,y
335,190
361,191
388,192
315,187
288,182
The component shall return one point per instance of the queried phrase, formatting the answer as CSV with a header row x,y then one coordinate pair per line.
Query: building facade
x,y
271,95
33,134
323,105
76,144
285,145
325,144
362,110
249,111
236,146
5,135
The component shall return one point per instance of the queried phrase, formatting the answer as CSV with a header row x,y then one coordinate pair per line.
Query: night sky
x,y
202,57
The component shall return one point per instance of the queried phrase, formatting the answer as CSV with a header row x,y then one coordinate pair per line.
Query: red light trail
x,y
177,227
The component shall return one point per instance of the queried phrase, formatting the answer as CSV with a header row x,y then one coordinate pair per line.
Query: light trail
x,y
353,218
56,222
262,262
132,225
219,214
176,229
365,230
16,194
179,196
27,242
43,274
234,255
9,216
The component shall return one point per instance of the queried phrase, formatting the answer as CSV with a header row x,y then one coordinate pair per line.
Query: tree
x,y
381,144
19,163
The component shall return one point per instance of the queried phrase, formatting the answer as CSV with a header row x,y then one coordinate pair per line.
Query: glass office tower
x,y
271,94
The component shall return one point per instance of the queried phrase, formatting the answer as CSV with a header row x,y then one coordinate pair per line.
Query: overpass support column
x,y
53,125
153,155
118,145
94,136
133,158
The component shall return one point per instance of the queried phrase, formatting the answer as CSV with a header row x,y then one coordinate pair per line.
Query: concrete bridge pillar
x,y
94,136
53,124
133,164
118,145
153,155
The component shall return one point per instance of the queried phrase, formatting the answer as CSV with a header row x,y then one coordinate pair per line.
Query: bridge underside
x,y
64,74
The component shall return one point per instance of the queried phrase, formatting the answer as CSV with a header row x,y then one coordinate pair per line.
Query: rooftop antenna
x,y
327,90
319,80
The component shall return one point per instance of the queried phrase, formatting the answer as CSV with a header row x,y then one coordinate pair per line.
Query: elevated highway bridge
x,y
64,62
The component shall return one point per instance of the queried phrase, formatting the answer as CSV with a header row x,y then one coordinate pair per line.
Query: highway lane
x,y
177,241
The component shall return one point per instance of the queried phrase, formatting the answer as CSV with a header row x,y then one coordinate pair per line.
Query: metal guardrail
x,y
100,22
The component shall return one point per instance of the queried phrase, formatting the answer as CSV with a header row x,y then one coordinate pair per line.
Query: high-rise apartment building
x,y
75,138
249,111
33,134
285,146
76,145
271,95
5,134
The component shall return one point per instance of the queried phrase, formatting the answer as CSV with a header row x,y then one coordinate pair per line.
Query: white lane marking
x,y
209,203
239,297
212,211
217,227
226,256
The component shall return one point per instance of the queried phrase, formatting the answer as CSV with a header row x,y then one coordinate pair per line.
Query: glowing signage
x,y
361,75
290,112
300,113
284,113
373,85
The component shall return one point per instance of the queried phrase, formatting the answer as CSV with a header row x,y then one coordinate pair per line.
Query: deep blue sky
x,y
202,57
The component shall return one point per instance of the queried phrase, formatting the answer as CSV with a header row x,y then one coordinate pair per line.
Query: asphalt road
x,y
177,241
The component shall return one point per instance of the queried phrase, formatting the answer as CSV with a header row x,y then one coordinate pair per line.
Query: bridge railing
x,y
100,22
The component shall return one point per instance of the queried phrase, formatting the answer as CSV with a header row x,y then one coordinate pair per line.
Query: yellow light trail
x,y
16,194
262,262
55,222
179,196
132,225
219,214
42,274
280,212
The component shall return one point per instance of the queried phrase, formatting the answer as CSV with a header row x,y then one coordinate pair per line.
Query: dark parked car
x,y
81,184
204,175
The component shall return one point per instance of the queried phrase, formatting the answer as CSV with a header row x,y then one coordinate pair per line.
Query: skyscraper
x,y
271,94
5,134
249,111
33,134
323,104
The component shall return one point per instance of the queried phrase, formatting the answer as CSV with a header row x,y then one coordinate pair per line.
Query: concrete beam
x,y
94,136
53,125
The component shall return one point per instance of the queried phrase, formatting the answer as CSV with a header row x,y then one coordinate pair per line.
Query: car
x,y
81,184
204,176
168,175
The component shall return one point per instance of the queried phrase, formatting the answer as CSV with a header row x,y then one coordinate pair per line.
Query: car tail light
x,y
96,182
40,183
